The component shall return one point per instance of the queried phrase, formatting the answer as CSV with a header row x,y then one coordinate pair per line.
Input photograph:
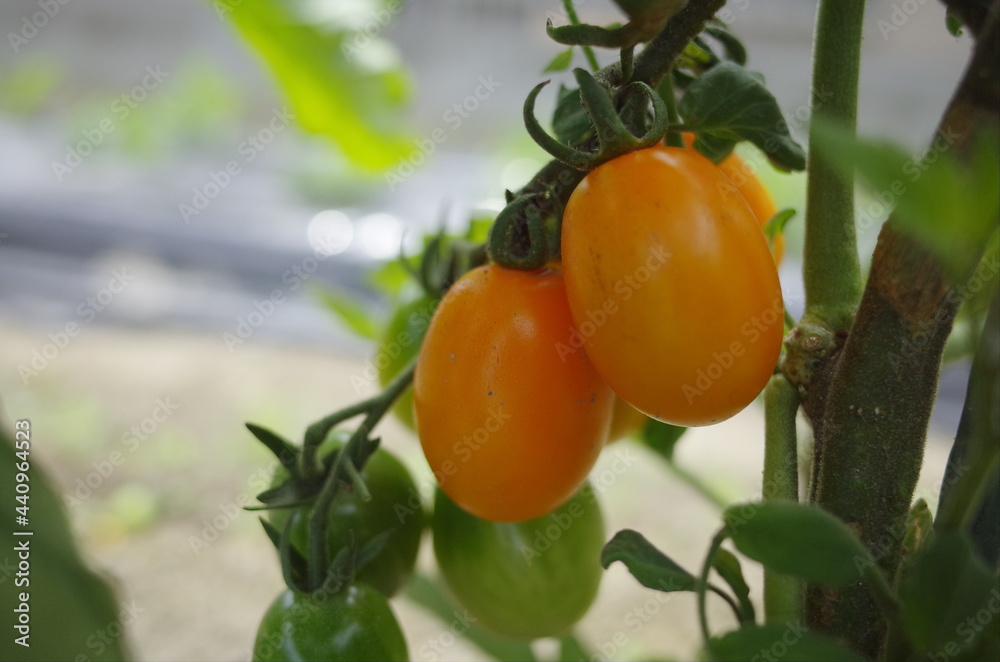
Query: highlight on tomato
x,y
526,579
672,286
510,425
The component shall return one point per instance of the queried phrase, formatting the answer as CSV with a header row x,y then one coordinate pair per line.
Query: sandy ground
x,y
165,523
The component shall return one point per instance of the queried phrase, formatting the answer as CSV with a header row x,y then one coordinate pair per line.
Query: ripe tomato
x,y
356,623
400,345
672,287
527,579
511,419
395,506
625,419
757,196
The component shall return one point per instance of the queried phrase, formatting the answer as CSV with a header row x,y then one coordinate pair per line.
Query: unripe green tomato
x,y
356,623
526,579
399,346
394,506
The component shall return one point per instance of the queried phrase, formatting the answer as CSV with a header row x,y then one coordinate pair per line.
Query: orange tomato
x,y
672,286
510,417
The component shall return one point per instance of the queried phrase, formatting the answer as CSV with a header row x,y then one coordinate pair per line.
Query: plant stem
x,y
783,597
831,269
702,586
697,484
588,52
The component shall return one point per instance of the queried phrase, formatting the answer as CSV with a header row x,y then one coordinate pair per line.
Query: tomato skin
x,y
355,623
400,344
391,487
510,417
758,198
526,579
672,286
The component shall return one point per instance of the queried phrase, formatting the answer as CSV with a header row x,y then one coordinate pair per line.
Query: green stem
x,y
697,484
674,138
588,52
831,268
702,586
783,596
319,519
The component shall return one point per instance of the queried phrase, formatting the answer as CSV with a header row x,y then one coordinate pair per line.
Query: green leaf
x,y
651,567
662,437
948,206
351,313
71,605
729,104
330,77
571,650
776,224
570,123
798,540
560,62
429,594
944,593
953,23
779,642
734,48
728,567
284,450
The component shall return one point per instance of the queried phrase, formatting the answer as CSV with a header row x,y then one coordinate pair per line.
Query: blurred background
x,y
167,227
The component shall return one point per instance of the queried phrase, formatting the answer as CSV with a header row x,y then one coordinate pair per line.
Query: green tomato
x,y
525,579
356,623
395,506
400,345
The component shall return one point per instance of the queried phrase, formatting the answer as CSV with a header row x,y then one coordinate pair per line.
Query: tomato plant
x,y
509,424
671,285
354,623
529,579
394,507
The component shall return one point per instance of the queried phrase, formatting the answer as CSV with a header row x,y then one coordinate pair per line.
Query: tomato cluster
x,y
667,295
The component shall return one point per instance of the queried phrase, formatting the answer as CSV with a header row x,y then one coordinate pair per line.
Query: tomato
x,y
625,419
744,179
672,286
757,196
394,506
356,623
511,419
399,346
526,579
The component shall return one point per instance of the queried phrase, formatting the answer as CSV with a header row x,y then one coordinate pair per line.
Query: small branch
x,y
782,594
831,269
588,52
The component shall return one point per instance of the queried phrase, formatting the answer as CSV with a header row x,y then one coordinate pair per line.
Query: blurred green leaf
x,y
782,642
560,62
339,82
351,313
728,567
662,437
950,206
798,540
651,567
25,89
569,120
728,104
73,611
776,224
943,595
